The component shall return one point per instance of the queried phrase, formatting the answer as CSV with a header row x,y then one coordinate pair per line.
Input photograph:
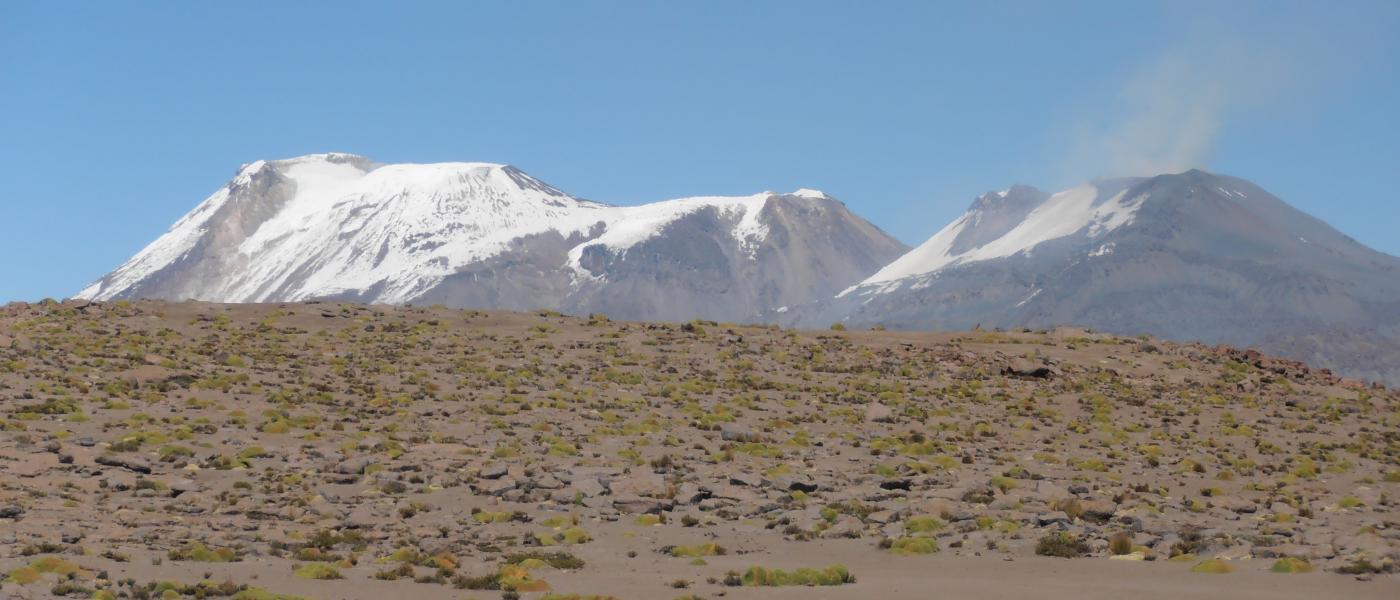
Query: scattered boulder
x,y
130,463
1024,368
741,435
648,485
354,466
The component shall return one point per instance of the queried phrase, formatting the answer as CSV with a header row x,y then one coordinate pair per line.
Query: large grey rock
x,y
354,466
632,504
731,433
649,485
125,461
588,486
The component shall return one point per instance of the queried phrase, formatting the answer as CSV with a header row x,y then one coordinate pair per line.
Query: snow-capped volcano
x,y
487,235
1188,256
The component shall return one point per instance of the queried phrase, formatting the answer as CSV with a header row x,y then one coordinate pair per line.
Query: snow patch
x,y
1103,250
1072,211
627,226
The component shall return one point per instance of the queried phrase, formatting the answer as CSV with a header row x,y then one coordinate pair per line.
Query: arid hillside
x,y
157,450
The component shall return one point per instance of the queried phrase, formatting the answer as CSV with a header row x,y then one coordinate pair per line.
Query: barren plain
x,y
321,450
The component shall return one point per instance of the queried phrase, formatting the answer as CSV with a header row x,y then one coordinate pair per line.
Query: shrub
x,y
1005,484
923,524
1062,544
23,576
48,564
914,545
480,582
510,578
558,560
317,571
695,551
57,566
568,537
1191,542
1121,543
517,579
763,577
1291,565
1362,566
198,552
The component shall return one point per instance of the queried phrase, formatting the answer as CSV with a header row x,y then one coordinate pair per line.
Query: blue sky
x,y
117,118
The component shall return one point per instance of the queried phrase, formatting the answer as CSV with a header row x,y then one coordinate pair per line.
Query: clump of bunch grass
x,y
198,552
1213,566
568,537
1061,544
1121,543
509,577
757,576
558,560
923,524
317,571
696,551
36,569
1289,564
908,546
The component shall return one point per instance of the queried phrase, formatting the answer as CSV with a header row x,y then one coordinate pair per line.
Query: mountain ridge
x,y
1183,256
342,226
1186,256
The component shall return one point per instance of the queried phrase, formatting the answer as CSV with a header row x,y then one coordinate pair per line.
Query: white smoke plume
x,y
1167,115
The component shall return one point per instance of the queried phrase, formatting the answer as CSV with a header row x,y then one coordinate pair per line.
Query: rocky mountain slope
x,y
153,450
338,226
1189,256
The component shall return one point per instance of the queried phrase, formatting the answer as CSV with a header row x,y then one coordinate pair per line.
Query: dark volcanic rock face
x,y
696,269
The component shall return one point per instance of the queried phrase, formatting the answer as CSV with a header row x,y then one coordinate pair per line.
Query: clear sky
x,y
116,118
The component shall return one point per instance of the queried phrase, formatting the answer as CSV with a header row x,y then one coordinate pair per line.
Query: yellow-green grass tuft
x,y
317,571
1291,565
758,576
913,545
1213,566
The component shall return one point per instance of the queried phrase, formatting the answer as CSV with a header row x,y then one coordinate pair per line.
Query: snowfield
x,y
347,225
1081,210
